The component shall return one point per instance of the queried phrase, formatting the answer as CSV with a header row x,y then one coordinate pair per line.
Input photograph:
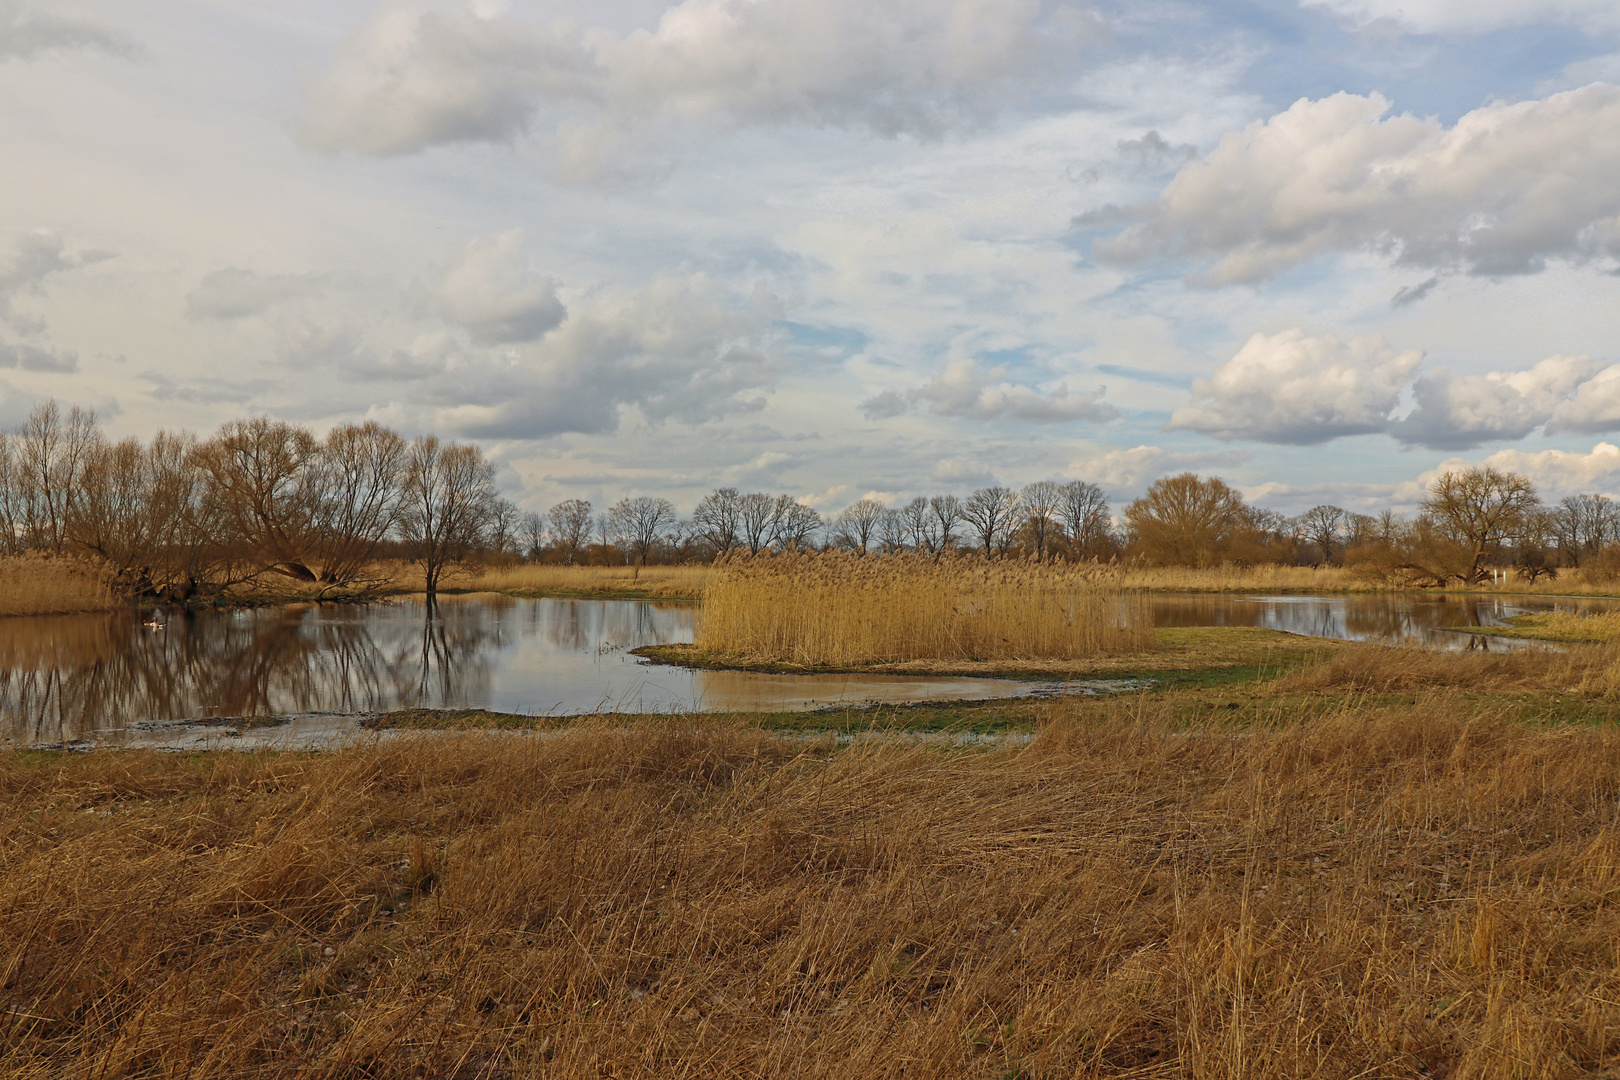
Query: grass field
x,y
1385,863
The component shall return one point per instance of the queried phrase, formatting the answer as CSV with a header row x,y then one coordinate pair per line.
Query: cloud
x,y
233,293
26,33
681,349
1556,473
1473,16
488,292
964,391
420,74
1131,470
1298,390
1505,189
34,257
1458,411
886,405
205,391
37,357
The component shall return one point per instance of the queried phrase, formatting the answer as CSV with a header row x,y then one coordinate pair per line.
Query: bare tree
x,y
990,511
1478,508
757,515
1040,502
796,526
532,535
718,519
358,491
1324,526
641,522
449,489
891,530
947,514
263,476
858,524
1585,524
1084,510
53,451
570,526
501,529
1360,529
921,530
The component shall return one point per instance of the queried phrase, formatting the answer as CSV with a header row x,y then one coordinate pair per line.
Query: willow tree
x,y
449,491
1189,521
1473,511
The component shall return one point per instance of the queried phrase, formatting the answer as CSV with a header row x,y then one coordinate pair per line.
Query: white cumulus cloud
x,y
419,74
1296,389
1455,411
1556,473
1506,188
964,390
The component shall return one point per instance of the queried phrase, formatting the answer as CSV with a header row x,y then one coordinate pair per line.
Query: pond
x,y
117,679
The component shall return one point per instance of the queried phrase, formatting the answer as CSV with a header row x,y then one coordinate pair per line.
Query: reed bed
x,y
1264,578
54,585
671,582
1413,893
839,609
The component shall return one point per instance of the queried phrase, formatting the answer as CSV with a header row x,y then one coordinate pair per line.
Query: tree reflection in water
x,y
66,677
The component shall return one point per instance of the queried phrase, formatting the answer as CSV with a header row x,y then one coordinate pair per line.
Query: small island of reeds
x,y
841,610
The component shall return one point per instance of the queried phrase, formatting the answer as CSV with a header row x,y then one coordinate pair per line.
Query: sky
x,y
835,248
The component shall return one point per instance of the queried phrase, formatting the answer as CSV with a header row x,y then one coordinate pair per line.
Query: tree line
x,y
1470,523
177,516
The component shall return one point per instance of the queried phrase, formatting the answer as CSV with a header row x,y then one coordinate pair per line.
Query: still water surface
x,y
104,678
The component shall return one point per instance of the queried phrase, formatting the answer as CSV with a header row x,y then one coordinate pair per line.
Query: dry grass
x,y
663,582
839,609
1565,626
1266,578
1581,671
41,585
1418,893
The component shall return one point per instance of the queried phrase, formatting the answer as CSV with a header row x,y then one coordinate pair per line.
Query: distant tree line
x,y
179,516
1471,523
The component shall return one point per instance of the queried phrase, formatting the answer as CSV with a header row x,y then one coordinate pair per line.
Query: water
x,y
117,679
1429,619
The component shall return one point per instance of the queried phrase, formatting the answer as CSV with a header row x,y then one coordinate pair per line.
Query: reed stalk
x,y
841,609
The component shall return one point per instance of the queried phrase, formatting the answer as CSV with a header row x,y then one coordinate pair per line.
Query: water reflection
x,y
64,678
1430,619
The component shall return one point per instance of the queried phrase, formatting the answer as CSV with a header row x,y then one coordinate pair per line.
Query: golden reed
x,y
838,608
671,582
45,585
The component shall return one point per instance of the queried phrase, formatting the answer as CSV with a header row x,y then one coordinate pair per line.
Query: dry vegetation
x,y
1414,891
839,609
661,582
1564,626
45,585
